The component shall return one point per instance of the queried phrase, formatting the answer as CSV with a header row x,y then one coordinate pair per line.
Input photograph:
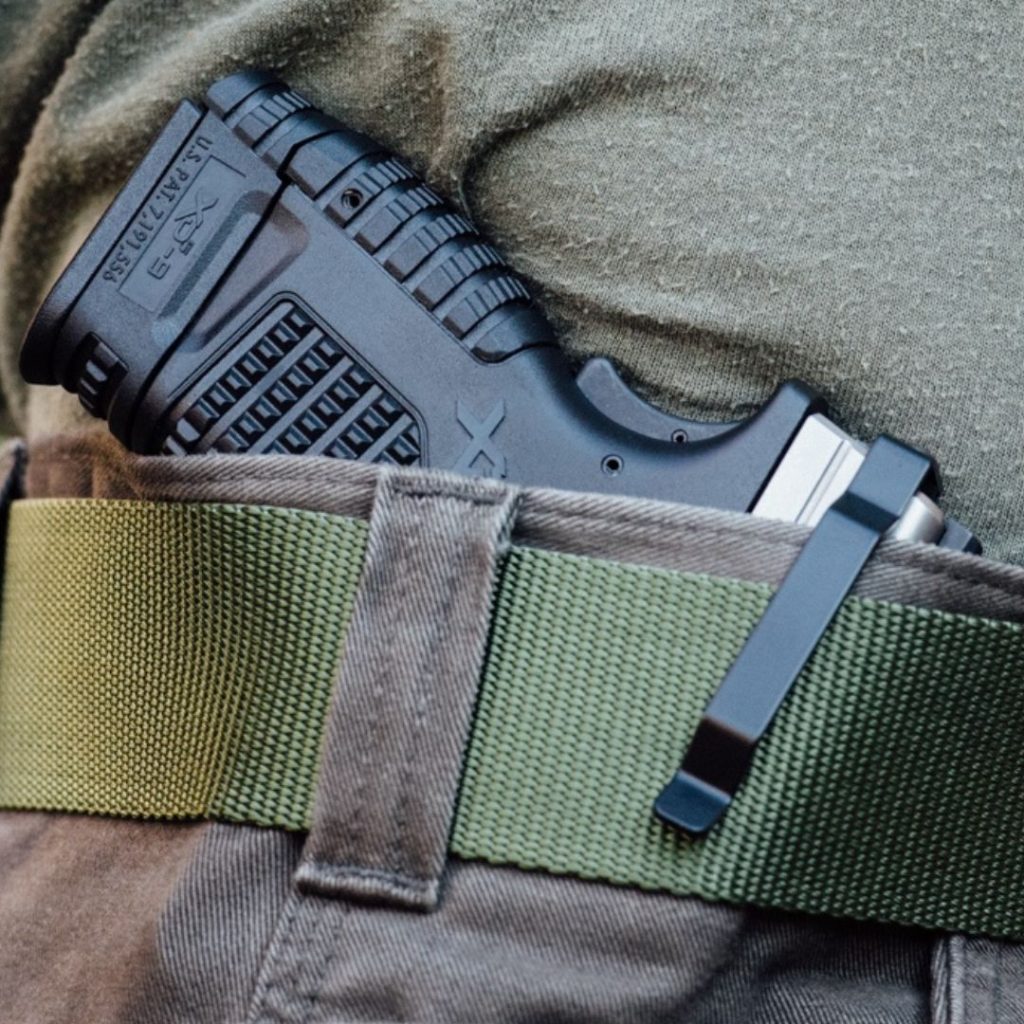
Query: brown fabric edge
x,y
402,705
628,530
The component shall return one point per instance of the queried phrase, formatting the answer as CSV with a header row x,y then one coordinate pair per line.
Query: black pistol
x,y
271,281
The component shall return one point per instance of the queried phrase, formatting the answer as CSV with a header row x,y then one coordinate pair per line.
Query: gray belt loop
x,y
402,708
977,981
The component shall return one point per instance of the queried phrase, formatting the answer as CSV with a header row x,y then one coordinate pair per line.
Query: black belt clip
x,y
794,622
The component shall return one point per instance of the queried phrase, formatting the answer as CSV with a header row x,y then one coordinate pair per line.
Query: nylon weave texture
x,y
176,661
888,787
170,660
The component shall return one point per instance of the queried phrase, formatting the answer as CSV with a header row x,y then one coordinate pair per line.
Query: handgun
x,y
270,281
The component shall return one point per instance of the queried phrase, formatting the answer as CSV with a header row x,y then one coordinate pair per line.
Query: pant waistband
x,y
173,659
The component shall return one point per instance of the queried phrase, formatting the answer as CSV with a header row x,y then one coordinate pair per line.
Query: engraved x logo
x,y
481,442
190,220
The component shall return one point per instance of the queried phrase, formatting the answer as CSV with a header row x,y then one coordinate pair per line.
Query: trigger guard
x,y
611,395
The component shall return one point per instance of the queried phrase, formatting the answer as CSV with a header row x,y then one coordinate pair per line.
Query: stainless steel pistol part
x,y
818,467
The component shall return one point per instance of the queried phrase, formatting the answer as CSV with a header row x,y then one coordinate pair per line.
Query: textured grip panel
x,y
432,251
424,242
289,386
491,295
258,196
269,113
380,203
100,376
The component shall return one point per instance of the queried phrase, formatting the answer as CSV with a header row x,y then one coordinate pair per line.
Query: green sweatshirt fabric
x,y
716,195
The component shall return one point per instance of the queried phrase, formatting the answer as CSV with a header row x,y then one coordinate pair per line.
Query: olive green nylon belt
x,y
176,661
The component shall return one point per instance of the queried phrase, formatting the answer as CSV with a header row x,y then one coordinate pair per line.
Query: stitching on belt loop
x,y
402,704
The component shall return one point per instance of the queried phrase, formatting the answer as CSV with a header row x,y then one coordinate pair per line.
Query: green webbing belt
x,y
170,660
